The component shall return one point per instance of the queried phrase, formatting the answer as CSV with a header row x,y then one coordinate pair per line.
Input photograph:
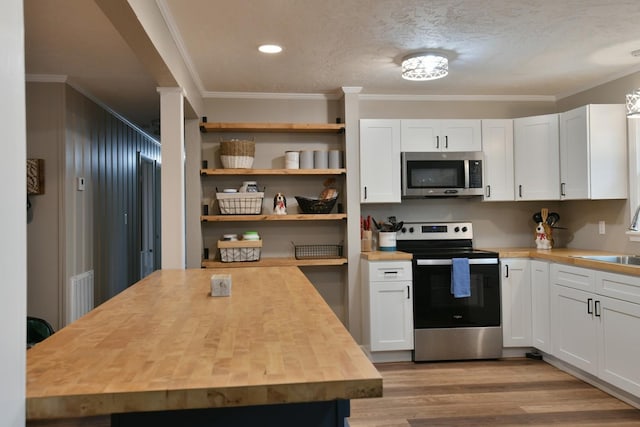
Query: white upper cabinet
x,y
440,135
593,152
497,147
380,161
537,157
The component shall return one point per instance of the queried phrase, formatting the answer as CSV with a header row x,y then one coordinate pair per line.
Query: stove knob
x,y
410,229
404,229
464,229
457,229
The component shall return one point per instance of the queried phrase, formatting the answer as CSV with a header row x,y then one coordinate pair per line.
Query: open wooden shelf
x,y
291,217
218,172
274,262
273,127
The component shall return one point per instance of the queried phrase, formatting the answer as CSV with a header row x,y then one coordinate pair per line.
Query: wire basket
x,y
316,206
240,250
240,203
317,251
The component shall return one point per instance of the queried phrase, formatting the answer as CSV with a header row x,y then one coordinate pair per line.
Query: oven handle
x,y
474,261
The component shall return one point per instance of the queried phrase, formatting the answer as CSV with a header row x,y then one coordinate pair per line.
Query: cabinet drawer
x,y
573,277
618,286
391,271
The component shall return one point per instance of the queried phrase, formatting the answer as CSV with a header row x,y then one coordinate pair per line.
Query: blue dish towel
x,y
460,280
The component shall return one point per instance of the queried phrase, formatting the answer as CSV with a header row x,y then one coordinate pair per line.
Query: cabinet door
x,y
540,306
574,154
516,302
391,316
537,158
573,328
497,147
420,136
608,149
461,135
380,161
619,343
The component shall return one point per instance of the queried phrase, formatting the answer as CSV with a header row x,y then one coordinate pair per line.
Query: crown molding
x,y
46,78
272,95
600,83
465,98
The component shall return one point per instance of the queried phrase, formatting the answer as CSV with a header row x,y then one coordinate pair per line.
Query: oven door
x,y
435,307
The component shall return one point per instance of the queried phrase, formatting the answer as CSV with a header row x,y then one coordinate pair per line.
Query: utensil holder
x,y
387,241
366,243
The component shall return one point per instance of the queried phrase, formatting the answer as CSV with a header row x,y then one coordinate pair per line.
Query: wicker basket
x,y
237,153
239,250
316,206
318,251
240,203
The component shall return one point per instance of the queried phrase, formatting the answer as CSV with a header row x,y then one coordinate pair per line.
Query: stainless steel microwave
x,y
441,174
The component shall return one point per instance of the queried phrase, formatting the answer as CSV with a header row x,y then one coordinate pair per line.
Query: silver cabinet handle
x,y
446,141
408,292
437,141
562,189
488,192
589,305
520,190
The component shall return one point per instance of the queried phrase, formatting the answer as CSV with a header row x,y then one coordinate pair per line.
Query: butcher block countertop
x,y
569,256
165,344
386,256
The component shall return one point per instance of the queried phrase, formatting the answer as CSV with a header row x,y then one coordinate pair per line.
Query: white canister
x,y
320,159
306,159
292,160
387,241
335,159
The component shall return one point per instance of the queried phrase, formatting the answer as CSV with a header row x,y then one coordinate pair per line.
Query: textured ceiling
x,y
515,47
496,47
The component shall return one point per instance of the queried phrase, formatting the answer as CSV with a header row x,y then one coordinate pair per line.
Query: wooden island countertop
x,y
166,344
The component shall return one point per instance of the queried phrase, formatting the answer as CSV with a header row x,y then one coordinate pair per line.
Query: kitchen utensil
x,y
544,214
552,218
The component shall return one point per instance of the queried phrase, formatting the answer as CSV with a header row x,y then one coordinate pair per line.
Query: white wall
x,y
45,140
13,218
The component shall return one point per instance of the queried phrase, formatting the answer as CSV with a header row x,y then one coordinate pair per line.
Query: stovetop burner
x,y
439,240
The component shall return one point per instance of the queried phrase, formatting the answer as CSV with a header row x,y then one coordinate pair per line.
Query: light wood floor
x,y
511,392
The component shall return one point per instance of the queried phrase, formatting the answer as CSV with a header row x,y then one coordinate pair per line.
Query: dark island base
x,y
312,414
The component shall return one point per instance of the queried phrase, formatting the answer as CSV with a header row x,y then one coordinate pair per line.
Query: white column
x,y
352,163
13,216
172,182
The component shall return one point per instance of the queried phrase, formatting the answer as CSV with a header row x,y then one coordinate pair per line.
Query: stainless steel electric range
x,y
446,327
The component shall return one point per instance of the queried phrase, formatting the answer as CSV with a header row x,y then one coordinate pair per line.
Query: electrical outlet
x,y
601,229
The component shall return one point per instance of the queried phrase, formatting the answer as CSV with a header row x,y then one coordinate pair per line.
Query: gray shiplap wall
x,y
79,138
105,150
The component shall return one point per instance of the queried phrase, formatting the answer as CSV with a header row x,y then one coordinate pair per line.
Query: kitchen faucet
x,y
635,222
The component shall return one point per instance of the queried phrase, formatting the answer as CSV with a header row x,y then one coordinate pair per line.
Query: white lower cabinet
x,y
388,305
540,306
574,328
619,343
515,286
594,332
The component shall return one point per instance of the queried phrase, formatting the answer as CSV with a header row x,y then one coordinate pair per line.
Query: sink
x,y
615,259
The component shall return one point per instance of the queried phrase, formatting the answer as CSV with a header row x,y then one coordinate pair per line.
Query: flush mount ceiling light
x,y
633,104
424,66
270,48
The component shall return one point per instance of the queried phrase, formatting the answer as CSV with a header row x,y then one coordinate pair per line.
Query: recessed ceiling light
x,y
270,48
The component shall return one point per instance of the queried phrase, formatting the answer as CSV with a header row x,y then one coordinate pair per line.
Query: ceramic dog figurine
x,y
279,204
544,237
